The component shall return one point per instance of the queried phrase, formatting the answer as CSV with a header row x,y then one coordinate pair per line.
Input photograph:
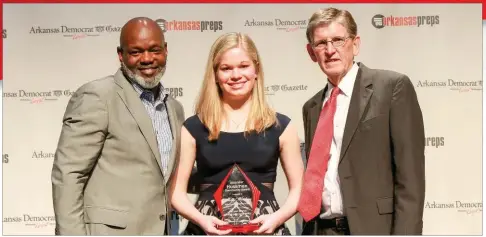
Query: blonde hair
x,y
209,106
327,16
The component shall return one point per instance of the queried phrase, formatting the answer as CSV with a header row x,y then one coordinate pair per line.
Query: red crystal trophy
x,y
237,198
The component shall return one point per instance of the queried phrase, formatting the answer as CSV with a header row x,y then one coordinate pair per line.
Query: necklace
x,y
237,124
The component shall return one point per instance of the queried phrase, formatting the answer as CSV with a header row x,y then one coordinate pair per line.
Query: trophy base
x,y
247,228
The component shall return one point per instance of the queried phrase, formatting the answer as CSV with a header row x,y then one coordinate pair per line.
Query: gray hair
x,y
327,16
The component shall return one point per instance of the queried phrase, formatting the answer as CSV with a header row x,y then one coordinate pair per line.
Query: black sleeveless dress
x,y
256,154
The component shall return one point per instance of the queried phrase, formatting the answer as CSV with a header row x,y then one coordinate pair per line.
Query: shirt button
x,y
162,217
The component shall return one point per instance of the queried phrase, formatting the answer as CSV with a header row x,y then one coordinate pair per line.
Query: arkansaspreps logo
x,y
461,206
75,32
175,25
454,85
37,97
380,21
279,24
4,33
273,89
435,141
174,91
31,220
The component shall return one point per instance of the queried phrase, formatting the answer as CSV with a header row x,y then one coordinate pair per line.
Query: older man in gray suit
x,y
365,134
119,144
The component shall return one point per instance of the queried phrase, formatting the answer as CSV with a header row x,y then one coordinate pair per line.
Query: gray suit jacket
x,y
382,165
107,177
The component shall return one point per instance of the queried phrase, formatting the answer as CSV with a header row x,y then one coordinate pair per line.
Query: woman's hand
x,y
268,223
209,226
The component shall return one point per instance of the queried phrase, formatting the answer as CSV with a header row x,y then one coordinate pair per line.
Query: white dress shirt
x,y
331,196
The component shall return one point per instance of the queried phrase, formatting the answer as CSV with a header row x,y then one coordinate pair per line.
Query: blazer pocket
x,y
368,123
385,205
107,216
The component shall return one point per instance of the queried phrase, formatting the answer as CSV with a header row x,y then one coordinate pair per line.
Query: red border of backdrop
x,y
225,1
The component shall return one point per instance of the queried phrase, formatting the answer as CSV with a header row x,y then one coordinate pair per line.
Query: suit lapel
x,y
174,127
360,98
139,113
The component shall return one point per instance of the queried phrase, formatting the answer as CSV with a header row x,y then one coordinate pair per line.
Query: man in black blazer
x,y
365,136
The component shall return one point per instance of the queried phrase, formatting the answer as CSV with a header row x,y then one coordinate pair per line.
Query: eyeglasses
x,y
336,42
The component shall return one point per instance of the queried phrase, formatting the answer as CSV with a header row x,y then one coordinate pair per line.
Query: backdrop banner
x,y
52,49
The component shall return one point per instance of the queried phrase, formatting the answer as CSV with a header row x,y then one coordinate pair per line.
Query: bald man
x,y
119,144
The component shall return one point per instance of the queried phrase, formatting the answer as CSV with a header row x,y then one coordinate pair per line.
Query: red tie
x,y
311,195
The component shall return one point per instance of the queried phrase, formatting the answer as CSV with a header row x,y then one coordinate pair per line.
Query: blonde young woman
x,y
234,125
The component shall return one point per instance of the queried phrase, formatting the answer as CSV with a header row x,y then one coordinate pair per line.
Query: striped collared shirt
x,y
157,110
